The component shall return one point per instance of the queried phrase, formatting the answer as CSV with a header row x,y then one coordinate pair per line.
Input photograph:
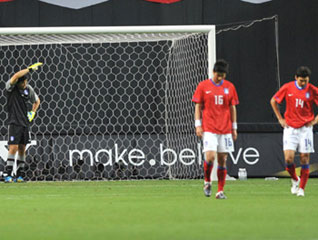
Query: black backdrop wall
x,y
297,37
251,53
298,20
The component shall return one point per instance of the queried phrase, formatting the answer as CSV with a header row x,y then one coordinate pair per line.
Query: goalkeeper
x,y
19,94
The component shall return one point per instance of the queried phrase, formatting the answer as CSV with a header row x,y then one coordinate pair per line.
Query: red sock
x,y
221,178
304,176
207,171
290,168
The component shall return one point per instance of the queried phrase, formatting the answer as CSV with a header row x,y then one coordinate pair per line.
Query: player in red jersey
x,y
300,96
215,101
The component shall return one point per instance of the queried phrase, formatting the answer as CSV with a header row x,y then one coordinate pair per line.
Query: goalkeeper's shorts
x,y
18,135
222,143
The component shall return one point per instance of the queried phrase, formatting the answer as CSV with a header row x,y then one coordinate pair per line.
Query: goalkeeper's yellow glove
x,y
31,115
35,66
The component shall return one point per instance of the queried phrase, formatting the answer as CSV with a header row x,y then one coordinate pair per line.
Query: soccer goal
x,y
115,101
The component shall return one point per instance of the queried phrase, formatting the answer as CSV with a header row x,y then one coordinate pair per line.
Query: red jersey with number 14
x,y
216,100
299,103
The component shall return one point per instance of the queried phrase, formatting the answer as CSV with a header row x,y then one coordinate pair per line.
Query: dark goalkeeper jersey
x,y
17,100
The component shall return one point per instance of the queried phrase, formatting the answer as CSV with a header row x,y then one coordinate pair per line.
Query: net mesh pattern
x,y
113,106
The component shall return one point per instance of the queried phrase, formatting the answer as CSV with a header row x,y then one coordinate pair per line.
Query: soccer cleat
x,y
220,195
300,192
8,179
20,179
294,187
207,189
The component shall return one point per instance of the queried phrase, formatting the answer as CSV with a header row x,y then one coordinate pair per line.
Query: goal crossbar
x,y
101,30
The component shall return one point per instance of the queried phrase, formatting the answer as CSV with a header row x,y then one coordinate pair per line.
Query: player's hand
x,y
312,123
234,134
282,122
199,131
34,66
31,115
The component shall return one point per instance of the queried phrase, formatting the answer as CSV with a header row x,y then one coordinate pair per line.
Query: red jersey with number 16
x,y
216,100
299,103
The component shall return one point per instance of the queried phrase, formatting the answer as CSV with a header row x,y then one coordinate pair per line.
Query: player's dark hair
x,y
21,79
221,66
303,71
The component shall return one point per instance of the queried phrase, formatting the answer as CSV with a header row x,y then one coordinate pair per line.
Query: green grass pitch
x,y
157,209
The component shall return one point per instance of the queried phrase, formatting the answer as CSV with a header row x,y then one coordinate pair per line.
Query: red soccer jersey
x,y
216,100
299,103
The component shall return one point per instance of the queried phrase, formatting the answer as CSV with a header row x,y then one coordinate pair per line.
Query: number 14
x,y
299,102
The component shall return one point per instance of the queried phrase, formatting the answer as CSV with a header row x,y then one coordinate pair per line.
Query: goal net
x,y
115,102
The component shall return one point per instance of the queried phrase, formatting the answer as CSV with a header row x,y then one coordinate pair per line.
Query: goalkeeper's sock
x,y
20,165
304,176
290,168
221,178
208,166
8,170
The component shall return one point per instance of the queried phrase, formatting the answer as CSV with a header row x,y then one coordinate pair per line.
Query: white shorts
x,y
301,138
217,142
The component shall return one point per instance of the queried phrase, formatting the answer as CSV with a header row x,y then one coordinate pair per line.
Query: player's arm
x,y
279,116
14,79
35,104
198,117
315,121
234,121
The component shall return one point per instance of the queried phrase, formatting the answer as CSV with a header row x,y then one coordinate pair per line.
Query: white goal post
x,y
110,99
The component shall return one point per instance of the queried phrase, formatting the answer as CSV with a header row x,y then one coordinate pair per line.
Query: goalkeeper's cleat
x,y
220,195
207,189
31,115
19,180
294,187
8,179
300,192
34,66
